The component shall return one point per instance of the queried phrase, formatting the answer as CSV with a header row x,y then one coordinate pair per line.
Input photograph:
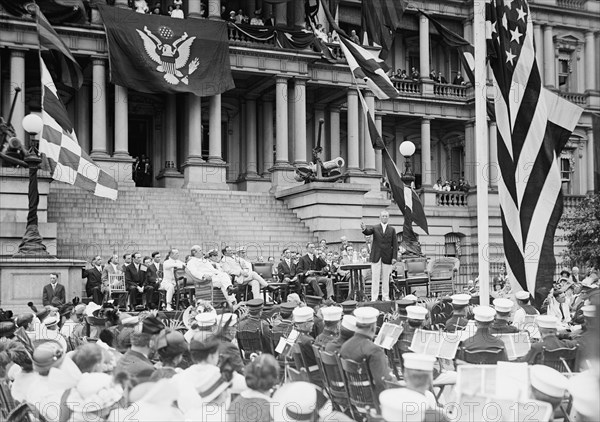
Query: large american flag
x,y
533,124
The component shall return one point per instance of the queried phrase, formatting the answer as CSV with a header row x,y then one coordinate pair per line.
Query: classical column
x,y
194,9
399,139
468,35
424,47
538,39
549,60
281,14
121,123
369,151
194,144
590,61
99,148
84,101
334,131
426,151
214,130
353,147
299,15
494,168
299,120
267,129
378,159
170,147
470,168
320,114
281,118
17,80
251,145
214,9
590,159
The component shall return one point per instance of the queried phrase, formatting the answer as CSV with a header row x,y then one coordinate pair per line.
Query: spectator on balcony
x,y
403,75
257,19
354,37
433,76
141,6
269,21
169,9
177,13
320,33
441,78
157,9
463,185
446,187
415,75
458,79
438,185
453,186
240,17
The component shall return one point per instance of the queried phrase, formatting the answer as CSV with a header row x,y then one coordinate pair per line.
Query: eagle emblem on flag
x,y
172,58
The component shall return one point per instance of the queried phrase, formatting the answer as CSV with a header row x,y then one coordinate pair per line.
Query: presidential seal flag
x,y
534,124
157,54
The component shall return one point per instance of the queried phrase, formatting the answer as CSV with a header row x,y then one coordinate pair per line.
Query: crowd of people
x,y
452,185
437,77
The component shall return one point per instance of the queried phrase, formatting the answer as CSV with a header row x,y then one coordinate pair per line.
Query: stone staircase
x,y
151,219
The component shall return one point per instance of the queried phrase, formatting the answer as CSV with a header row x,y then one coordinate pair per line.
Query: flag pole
x,y
481,148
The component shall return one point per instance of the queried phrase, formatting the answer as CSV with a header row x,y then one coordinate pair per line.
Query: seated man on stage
x,y
209,269
311,269
286,271
232,266
134,279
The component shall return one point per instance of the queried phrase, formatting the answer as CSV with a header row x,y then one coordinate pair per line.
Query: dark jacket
x,y
306,264
551,342
484,340
384,245
153,274
283,270
456,322
49,293
133,277
501,326
94,279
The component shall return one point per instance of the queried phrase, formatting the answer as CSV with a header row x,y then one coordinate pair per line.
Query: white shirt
x,y
168,267
384,226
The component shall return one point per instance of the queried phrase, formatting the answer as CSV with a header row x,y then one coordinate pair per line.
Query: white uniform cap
x,y
411,297
418,361
366,315
50,320
484,313
547,321
503,305
585,390
304,314
349,322
589,311
416,312
522,295
548,380
402,403
461,299
332,313
226,317
206,319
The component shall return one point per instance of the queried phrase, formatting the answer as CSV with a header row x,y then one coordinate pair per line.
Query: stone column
x,y
267,125
334,131
468,35
17,80
84,101
424,47
353,146
549,59
320,114
426,152
471,167
194,147
369,152
590,159
194,9
299,121
251,144
99,147
214,138
281,14
378,158
121,123
399,157
281,120
590,61
299,15
214,9
494,168
170,148
538,39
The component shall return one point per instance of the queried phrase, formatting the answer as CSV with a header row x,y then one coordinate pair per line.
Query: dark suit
x,y
316,264
286,273
551,342
49,293
501,326
153,273
93,286
384,249
133,279
484,340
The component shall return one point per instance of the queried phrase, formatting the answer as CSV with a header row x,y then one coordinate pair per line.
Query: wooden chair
x,y
295,375
250,345
563,359
183,294
442,275
265,270
481,357
334,381
415,275
117,289
361,388
204,290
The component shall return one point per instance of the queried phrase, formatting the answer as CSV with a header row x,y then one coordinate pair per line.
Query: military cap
x,y
461,299
484,313
349,306
331,313
548,380
313,301
304,314
589,311
503,305
349,322
287,308
416,312
522,295
547,321
366,315
585,391
418,361
396,402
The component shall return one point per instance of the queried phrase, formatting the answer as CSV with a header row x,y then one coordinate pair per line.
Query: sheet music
x,y
516,344
388,335
506,381
285,344
512,381
436,343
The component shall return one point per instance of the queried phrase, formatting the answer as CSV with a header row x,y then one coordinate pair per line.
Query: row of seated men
x,y
144,277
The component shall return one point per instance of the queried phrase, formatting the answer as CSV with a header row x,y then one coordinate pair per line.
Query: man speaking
x,y
384,251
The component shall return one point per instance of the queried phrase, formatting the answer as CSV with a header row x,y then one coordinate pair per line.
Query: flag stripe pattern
x,y
69,69
59,146
371,70
380,19
533,126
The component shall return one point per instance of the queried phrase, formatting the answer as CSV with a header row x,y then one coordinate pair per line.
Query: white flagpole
x,y
481,148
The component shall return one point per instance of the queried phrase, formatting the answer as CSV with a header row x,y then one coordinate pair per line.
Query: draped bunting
x,y
56,11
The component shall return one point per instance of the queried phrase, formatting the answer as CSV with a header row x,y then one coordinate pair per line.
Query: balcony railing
x,y
571,4
575,98
237,36
450,91
407,86
573,201
451,199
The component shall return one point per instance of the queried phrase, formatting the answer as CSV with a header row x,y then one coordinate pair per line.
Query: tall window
x,y
566,172
564,72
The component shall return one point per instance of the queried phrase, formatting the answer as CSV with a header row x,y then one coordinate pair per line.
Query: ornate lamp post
x,y
31,246
410,241
407,149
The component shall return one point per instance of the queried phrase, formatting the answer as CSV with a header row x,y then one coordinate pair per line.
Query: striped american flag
x,y
66,160
533,124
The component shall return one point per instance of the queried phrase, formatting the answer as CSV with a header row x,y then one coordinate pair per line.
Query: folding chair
x,y
250,345
334,381
361,388
183,292
563,359
116,287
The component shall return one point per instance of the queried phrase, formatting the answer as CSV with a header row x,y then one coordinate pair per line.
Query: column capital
x,y
368,93
18,52
469,123
591,33
334,108
547,26
98,61
281,79
300,81
426,119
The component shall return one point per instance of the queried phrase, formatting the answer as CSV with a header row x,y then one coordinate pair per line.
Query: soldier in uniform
x,y
303,323
331,316
203,326
401,305
254,326
283,325
314,302
483,339
458,320
349,306
347,330
501,324
228,349
525,308
415,319
588,337
548,327
418,374
361,347
547,384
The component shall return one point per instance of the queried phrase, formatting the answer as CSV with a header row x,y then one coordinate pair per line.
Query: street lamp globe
x,y
407,148
33,124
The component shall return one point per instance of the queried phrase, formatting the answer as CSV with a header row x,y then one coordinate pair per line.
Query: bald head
x,y
196,250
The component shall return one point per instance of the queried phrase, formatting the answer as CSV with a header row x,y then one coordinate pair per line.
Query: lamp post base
x,y
32,246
